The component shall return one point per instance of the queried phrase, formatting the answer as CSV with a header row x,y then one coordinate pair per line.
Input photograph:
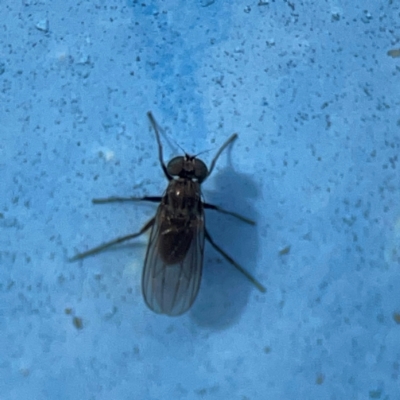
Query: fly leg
x,y
228,258
160,150
116,199
121,239
233,214
221,149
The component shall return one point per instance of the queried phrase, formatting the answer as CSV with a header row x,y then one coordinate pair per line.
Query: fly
x,y
174,257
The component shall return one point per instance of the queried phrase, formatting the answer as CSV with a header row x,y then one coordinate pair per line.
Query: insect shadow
x,y
174,256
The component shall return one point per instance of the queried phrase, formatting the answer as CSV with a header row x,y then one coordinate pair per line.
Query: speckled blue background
x,y
312,88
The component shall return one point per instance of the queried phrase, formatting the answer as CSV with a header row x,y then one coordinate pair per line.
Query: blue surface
x,y
314,95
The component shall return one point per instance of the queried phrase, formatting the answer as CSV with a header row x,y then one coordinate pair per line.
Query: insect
x,y
174,257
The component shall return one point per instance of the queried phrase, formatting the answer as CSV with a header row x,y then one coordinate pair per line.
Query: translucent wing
x,y
173,266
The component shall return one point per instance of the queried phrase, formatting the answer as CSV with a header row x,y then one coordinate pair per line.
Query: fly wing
x,y
171,287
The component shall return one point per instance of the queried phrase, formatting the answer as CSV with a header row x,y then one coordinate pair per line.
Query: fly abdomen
x,y
174,243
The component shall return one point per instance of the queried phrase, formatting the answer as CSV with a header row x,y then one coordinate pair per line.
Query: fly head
x,y
188,167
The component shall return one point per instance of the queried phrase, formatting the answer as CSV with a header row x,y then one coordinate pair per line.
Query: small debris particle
x,y
320,379
284,251
25,372
206,3
43,25
77,322
396,317
394,53
375,394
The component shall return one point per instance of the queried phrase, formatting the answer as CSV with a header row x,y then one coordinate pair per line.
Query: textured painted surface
x,y
312,90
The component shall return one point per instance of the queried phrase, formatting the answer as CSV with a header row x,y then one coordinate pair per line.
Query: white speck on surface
x,y
43,25
106,153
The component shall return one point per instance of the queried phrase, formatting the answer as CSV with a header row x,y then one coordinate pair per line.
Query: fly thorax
x,y
184,196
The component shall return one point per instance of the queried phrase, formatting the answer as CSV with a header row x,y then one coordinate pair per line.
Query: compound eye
x,y
200,170
175,166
